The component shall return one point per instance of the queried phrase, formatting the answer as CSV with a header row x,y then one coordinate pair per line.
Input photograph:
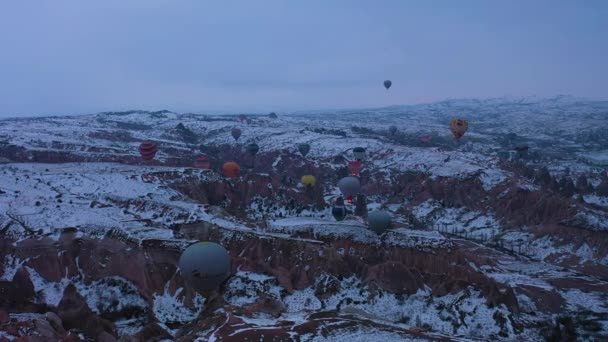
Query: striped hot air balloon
x,y
202,163
148,150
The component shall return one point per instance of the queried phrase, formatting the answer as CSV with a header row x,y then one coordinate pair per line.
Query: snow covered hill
x,y
483,245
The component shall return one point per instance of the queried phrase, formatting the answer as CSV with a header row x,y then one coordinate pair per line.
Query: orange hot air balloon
x,y
458,128
231,169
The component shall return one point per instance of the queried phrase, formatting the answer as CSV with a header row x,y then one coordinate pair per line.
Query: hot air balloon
x,y
359,153
273,115
522,149
304,149
253,149
202,163
387,84
204,265
392,130
242,118
459,127
338,210
379,221
147,149
236,133
354,167
231,169
349,186
308,180
426,138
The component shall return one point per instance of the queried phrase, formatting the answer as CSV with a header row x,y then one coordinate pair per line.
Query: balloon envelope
x,y
308,180
304,149
202,163
231,169
204,265
359,153
459,127
379,221
236,133
387,84
148,150
338,212
392,130
253,149
349,186
354,167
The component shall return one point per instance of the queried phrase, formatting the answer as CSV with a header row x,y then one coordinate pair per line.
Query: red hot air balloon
x,y
202,163
426,138
148,150
354,167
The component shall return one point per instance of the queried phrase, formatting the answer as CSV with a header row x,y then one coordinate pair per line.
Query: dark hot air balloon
x,y
387,84
359,153
253,149
304,149
242,118
236,133
148,150
273,115
338,211
392,130
204,265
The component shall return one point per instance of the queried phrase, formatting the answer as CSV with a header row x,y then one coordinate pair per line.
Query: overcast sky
x,y
79,56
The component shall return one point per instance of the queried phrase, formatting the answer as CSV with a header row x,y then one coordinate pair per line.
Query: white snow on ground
x,y
490,178
402,237
361,335
578,300
10,267
245,288
324,228
594,199
459,221
423,210
49,292
447,314
169,307
304,300
111,294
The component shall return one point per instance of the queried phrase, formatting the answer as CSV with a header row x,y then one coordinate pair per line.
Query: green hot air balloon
x,y
379,221
392,130
204,265
253,149
338,210
304,149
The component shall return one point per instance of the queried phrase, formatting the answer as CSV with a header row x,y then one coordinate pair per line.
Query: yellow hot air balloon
x,y
459,127
308,180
